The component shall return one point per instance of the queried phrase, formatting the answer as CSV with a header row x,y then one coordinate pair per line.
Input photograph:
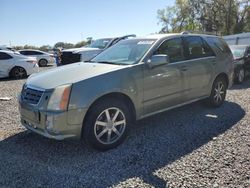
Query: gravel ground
x,y
192,146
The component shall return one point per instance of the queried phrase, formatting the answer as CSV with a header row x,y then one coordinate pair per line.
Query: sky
x,y
42,22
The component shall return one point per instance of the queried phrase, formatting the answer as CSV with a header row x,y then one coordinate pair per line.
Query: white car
x,y
43,58
15,65
3,47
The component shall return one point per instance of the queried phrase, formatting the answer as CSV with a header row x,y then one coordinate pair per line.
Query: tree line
x,y
221,17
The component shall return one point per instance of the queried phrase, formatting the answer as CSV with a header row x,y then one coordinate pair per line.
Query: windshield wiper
x,y
110,62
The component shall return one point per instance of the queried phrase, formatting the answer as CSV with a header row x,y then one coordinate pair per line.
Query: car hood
x,y
69,74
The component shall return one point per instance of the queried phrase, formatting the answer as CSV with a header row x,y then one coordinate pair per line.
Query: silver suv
x,y
131,80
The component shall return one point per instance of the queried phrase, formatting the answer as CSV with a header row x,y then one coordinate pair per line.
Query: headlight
x,y
60,98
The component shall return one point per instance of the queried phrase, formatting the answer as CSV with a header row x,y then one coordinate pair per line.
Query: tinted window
x,y
23,52
27,52
195,47
4,56
173,48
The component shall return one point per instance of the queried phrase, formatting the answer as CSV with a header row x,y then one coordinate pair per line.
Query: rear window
x,y
219,44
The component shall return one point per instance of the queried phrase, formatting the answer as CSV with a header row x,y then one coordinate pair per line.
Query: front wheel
x,y
106,124
43,63
218,93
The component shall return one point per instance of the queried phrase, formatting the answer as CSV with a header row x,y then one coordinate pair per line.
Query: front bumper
x,y
54,125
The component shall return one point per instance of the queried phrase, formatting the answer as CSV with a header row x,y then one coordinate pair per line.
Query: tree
x,y
215,16
81,44
63,45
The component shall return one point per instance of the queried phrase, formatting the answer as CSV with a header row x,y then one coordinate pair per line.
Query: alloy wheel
x,y
219,92
110,125
19,72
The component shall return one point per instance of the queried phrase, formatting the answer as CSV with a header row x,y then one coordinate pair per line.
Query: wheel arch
x,y
224,76
15,66
117,95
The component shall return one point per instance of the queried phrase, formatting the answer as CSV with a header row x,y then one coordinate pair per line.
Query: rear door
x,y
6,63
199,67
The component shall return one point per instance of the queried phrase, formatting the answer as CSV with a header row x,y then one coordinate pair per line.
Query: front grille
x,y
69,57
31,96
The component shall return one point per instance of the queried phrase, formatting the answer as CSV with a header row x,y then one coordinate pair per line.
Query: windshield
x,y
100,43
126,52
238,52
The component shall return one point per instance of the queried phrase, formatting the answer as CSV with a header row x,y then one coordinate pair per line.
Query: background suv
x,y
88,52
43,58
131,80
241,55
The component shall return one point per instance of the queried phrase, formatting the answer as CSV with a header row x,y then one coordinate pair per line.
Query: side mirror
x,y
157,60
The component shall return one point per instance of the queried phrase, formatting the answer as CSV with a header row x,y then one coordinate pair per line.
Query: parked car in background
x,y
3,47
86,53
241,54
43,58
15,65
132,79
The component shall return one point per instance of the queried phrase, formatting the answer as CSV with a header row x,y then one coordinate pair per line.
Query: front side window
x,y
195,48
173,48
126,52
4,56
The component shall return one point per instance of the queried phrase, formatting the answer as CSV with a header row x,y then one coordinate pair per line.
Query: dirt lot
x,y
192,146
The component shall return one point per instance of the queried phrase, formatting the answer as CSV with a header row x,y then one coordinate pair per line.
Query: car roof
x,y
160,36
31,50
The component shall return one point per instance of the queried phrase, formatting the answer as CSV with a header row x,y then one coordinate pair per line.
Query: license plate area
x,y
31,115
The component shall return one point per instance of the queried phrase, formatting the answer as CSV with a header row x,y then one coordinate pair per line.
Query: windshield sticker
x,y
146,42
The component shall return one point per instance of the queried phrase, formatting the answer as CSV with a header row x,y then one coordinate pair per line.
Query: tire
x,y
106,125
240,75
18,73
218,93
43,63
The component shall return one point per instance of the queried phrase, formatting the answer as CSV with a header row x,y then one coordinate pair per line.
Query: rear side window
x,y
31,52
219,44
23,52
173,48
196,47
4,56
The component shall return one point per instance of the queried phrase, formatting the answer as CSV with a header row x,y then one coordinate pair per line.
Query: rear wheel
x,y
240,75
106,124
18,72
218,93
43,63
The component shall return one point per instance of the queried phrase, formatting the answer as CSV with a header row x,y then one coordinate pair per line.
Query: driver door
x,y
164,85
